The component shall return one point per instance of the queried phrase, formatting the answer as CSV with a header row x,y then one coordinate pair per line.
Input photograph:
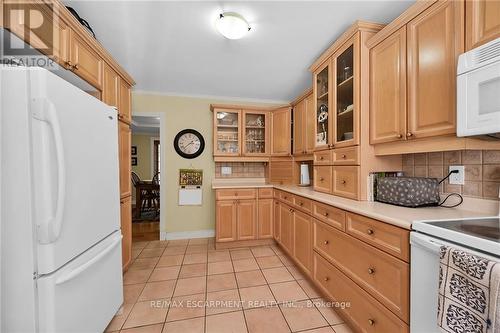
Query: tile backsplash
x,y
241,170
482,170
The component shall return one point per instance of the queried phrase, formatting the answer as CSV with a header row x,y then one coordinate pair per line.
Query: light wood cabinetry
x,y
286,227
277,220
227,132
303,126
125,101
246,213
85,62
281,170
346,156
346,181
255,131
332,216
126,229
110,87
302,239
482,22
322,100
281,132
234,194
265,218
322,178
125,140
226,219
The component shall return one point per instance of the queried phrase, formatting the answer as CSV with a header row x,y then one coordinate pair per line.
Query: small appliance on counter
x,y
304,175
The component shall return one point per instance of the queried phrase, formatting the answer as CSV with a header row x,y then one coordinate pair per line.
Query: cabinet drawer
x,y
385,277
365,313
302,203
286,197
386,237
323,157
232,194
323,178
346,156
265,193
346,181
328,214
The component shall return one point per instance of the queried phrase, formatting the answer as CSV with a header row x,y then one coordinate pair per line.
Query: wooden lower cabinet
x,y
302,240
225,220
322,178
345,181
246,225
277,221
286,224
265,218
364,312
126,226
124,143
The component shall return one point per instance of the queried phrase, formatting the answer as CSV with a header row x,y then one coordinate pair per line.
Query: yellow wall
x,y
143,144
181,113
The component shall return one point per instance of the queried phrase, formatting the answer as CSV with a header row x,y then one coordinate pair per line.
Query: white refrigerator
x,y
60,245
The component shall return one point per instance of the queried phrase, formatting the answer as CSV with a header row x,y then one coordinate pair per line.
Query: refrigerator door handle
x,y
80,269
44,110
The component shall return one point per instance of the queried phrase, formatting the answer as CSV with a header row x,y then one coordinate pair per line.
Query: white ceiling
x,y
145,125
172,47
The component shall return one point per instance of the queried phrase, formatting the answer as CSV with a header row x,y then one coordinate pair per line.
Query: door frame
x,y
163,193
152,148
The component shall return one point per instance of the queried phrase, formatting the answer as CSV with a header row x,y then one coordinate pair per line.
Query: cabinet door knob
x,y
321,179
321,157
371,322
370,231
326,278
344,156
409,134
326,214
69,64
371,270
343,181
399,136
301,204
235,194
326,242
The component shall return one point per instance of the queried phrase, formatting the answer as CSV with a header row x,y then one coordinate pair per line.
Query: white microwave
x,y
478,91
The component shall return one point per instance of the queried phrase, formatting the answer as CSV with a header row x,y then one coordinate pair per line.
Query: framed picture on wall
x,y
134,161
134,150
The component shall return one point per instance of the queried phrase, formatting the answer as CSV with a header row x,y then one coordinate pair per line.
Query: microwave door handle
x,y
44,110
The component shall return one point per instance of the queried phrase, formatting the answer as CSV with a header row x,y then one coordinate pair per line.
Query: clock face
x,y
189,143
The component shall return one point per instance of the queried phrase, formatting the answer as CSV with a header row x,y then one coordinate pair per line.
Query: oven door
x,y
478,101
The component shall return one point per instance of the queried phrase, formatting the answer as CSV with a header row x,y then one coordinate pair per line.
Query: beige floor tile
x,y
157,244
328,311
151,253
231,322
170,260
277,250
139,245
296,272
178,242
262,251
275,275
157,290
253,297
193,270
165,273
186,307
198,241
195,258
288,292
131,292
134,277
197,249
242,265
223,301
286,260
265,320
146,313
241,254
146,263
250,279
269,262
221,282
195,325
342,328
190,286
302,316
215,256
120,317
320,330
308,288
170,251
220,267
135,253
145,329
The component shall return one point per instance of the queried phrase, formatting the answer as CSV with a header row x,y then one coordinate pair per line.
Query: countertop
x,y
399,216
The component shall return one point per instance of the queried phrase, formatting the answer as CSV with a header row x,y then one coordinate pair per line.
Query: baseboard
x,y
164,235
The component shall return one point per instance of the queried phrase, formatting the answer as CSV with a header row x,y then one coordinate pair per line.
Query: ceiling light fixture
x,y
232,25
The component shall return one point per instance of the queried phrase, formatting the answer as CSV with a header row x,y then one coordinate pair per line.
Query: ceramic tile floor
x,y
187,286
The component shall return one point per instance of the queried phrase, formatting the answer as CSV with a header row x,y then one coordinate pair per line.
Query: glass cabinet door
x,y
321,95
227,126
344,97
255,133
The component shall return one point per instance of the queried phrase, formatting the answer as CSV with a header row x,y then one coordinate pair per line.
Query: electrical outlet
x,y
226,171
457,178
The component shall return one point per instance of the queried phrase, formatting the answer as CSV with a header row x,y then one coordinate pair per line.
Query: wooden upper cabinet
x,y
281,132
246,219
255,131
225,219
110,86
435,39
322,101
227,132
299,127
125,101
482,22
388,89
310,136
85,62
125,141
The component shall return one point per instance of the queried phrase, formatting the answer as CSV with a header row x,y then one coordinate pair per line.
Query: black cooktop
x,y
487,228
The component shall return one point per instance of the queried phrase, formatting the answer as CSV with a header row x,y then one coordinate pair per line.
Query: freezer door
x,y
84,295
75,169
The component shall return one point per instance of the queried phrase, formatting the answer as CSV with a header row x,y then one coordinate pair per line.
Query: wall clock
x,y
189,143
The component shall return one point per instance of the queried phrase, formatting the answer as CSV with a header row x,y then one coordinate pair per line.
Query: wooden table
x,y
139,189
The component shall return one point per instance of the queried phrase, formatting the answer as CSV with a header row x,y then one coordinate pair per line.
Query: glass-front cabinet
x,y
255,132
227,132
346,115
322,98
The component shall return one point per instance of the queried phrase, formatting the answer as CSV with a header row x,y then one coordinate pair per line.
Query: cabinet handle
x,y
399,136
301,204
344,156
321,179
76,66
371,322
321,158
409,134
291,210
235,194
326,278
371,270
69,64
343,181
326,242
370,231
326,214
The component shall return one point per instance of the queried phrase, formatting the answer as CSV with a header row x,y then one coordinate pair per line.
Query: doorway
x,y
147,207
